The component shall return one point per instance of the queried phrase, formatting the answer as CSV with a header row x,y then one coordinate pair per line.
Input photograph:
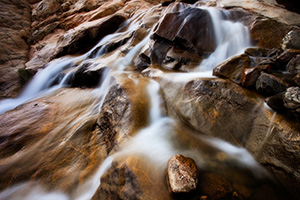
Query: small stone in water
x,y
182,174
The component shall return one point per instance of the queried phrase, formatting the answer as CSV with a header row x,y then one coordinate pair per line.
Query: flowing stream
x,y
162,137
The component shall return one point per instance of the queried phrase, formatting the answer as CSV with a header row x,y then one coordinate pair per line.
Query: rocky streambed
x,y
149,99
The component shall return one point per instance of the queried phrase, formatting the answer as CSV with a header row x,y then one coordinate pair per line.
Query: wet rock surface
x,y
59,141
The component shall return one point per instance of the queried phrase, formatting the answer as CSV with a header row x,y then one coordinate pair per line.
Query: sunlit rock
x,y
233,68
249,77
182,174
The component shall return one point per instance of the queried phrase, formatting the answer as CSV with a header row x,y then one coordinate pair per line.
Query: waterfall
x,y
232,38
163,136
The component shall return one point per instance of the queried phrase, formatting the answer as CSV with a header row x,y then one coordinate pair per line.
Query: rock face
x,y
182,38
132,85
14,32
182,174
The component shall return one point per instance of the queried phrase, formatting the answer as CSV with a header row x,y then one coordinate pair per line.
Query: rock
x,y
291,101
143,62
194,34
131,178
215,186
85,38
249,77
264,9
182,174
276,102
262,31
268,84
257,52
291,40
25,75
284,58
297,79
204,104
85,78
14,34
294,65
61,131
233,68
264,68
289,5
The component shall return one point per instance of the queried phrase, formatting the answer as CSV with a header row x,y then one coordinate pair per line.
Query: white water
x,y
232,38
155,141
89,188
41,82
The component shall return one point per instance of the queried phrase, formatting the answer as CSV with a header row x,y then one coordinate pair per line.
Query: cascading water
x,y
232,38
162,137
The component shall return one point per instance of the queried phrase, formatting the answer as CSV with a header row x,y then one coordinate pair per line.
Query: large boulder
x,y
182,38
184,28
204,104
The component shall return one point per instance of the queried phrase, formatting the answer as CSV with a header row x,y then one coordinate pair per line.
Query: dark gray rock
x,y
294,65
291,40
268,84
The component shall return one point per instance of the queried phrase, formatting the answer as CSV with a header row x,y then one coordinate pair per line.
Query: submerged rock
x,y
182,174
215,186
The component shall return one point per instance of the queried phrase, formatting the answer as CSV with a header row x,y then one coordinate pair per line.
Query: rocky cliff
x,y
98,95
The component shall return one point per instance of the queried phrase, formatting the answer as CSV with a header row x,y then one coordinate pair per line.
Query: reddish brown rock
x,y
262,31
249,77
14,34
182,174
233,68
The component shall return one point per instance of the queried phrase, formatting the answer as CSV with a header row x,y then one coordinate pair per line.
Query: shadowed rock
x,y
294,65
291,40
189,29
215,186
268,84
